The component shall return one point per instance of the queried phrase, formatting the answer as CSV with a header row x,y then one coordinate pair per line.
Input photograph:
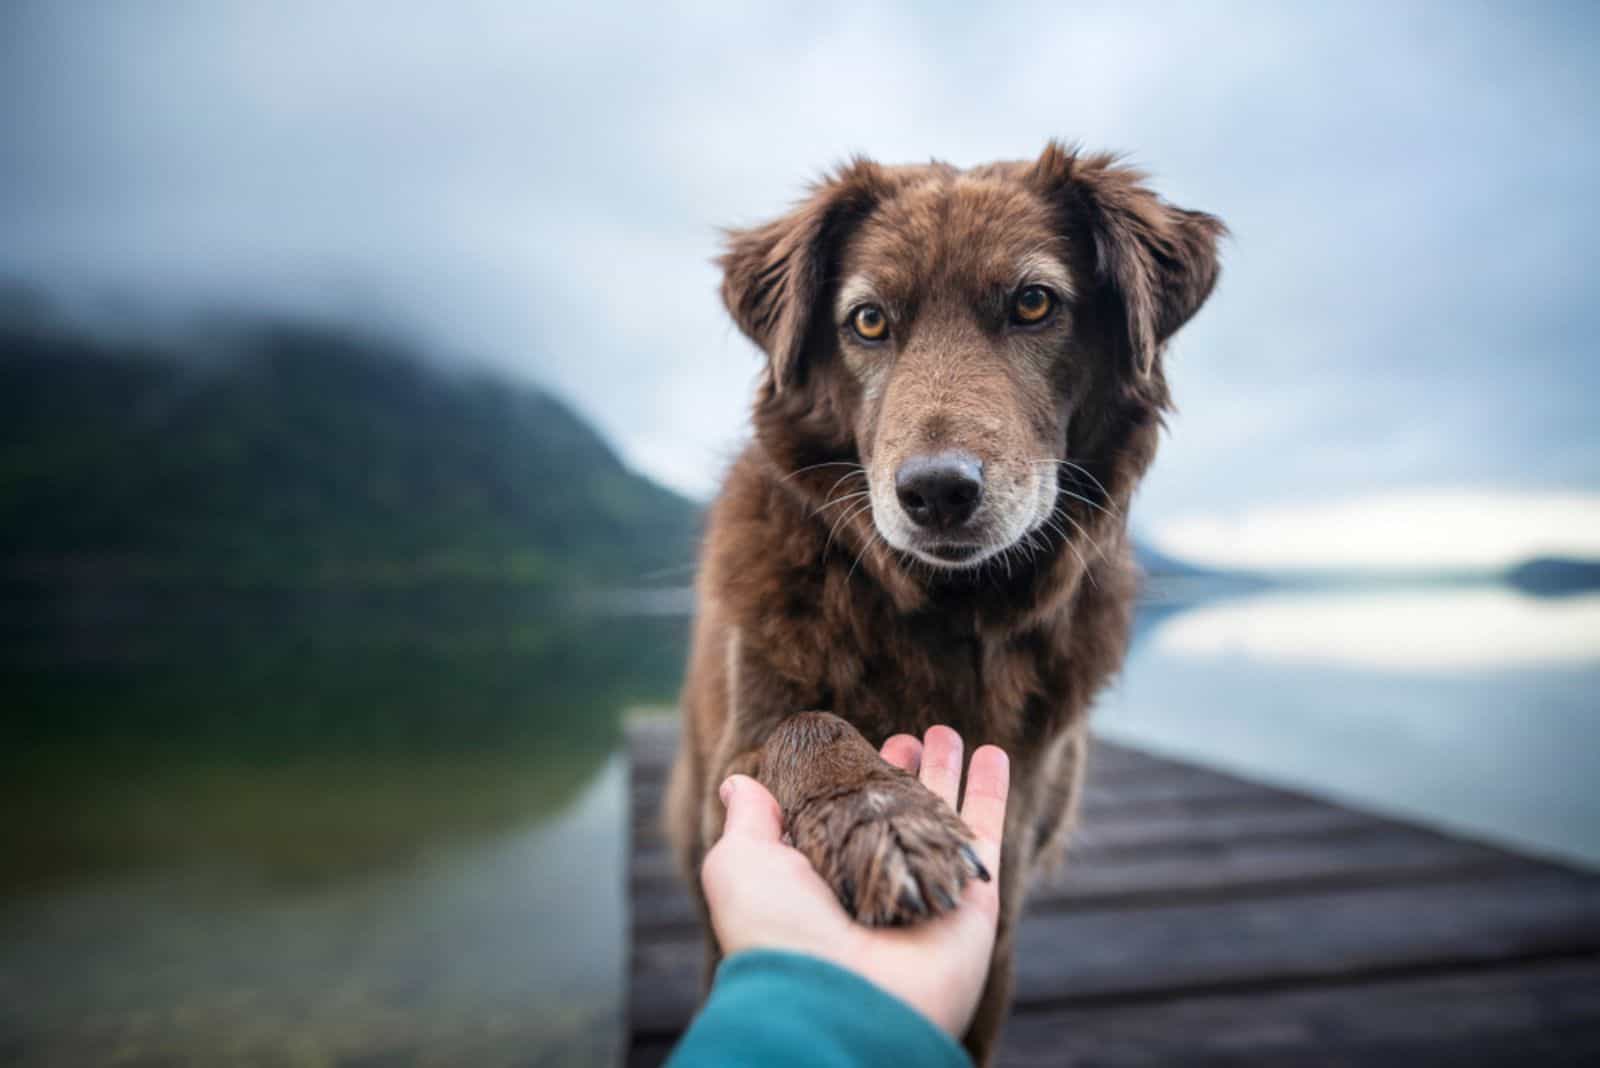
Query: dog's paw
x,y
892,850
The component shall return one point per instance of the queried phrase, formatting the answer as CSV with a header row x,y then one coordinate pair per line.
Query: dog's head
x,y
965,336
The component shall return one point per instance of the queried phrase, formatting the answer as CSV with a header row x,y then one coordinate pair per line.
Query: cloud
x,y
1406,301
1438,530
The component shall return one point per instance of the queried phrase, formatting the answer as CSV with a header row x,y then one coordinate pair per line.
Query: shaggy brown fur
x,y
816,590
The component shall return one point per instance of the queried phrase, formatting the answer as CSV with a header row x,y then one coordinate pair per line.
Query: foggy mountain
x,y
277,452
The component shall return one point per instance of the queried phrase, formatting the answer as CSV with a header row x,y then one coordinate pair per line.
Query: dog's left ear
x,y
776,276
1159,262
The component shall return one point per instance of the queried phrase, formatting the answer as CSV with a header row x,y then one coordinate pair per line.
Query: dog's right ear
x,y
776,276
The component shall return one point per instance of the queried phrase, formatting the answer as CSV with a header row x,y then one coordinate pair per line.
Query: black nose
x,y
940,491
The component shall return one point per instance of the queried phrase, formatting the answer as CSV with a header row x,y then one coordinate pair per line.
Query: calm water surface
x,y
1473,709
390,832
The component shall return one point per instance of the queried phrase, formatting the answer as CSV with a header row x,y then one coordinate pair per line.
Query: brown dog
x,y
964,386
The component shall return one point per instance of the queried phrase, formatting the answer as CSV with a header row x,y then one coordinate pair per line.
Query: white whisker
x,y
1070,545
813,467
840,500
848,475
1109,507
843,519
865,545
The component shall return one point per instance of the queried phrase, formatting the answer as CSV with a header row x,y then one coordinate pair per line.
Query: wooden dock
x,y
1205,919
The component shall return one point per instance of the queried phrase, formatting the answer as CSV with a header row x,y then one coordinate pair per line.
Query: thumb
x,y
752,811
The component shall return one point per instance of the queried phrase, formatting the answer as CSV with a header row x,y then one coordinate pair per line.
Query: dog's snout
x,y
940,491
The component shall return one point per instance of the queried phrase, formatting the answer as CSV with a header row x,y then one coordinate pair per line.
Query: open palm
x,y
763,894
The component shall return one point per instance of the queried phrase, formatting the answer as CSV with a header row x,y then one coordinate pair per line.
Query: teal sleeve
x,y
787,1010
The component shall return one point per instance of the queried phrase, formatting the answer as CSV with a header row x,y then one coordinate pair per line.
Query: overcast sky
x,y
1408,305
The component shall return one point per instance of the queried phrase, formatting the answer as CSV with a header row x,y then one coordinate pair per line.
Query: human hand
x,y
764,894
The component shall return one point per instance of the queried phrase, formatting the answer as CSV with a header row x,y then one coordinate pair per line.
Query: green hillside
x,y
273,453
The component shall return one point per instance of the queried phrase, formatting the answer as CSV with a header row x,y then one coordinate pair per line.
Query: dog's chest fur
x,y
812,615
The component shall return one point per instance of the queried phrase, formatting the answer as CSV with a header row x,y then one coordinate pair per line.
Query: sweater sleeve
x,y
788,1010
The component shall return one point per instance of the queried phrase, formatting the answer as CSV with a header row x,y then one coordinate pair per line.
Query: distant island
x,y
1555,576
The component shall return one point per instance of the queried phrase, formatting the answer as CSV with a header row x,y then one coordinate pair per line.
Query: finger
x,y
984,808
752,811
903,751
941,763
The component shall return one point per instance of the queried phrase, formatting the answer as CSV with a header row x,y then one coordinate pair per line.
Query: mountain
x,y
286,453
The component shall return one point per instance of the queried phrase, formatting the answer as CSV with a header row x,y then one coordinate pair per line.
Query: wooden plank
x,y
1545,1013
1256,867
1191,827
1233,870
1309,936
1151,952
651,739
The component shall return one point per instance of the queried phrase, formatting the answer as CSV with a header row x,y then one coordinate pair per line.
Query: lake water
x,y
388,830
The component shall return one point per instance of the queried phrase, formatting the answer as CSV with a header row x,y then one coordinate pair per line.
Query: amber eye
x,y
869,323
1032,304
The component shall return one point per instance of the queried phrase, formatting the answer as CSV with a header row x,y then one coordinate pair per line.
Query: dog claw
x,y
971,857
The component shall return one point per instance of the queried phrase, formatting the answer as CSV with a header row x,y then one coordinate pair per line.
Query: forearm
x,y
788,1009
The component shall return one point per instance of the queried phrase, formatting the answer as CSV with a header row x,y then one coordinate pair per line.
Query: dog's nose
x,y
940,491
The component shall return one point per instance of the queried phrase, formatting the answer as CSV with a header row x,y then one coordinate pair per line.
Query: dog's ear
x,y
1159,262
775,276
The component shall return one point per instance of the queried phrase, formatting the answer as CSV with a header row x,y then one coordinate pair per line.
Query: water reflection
x,y
493,949
1474,709
1474,629
274,827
